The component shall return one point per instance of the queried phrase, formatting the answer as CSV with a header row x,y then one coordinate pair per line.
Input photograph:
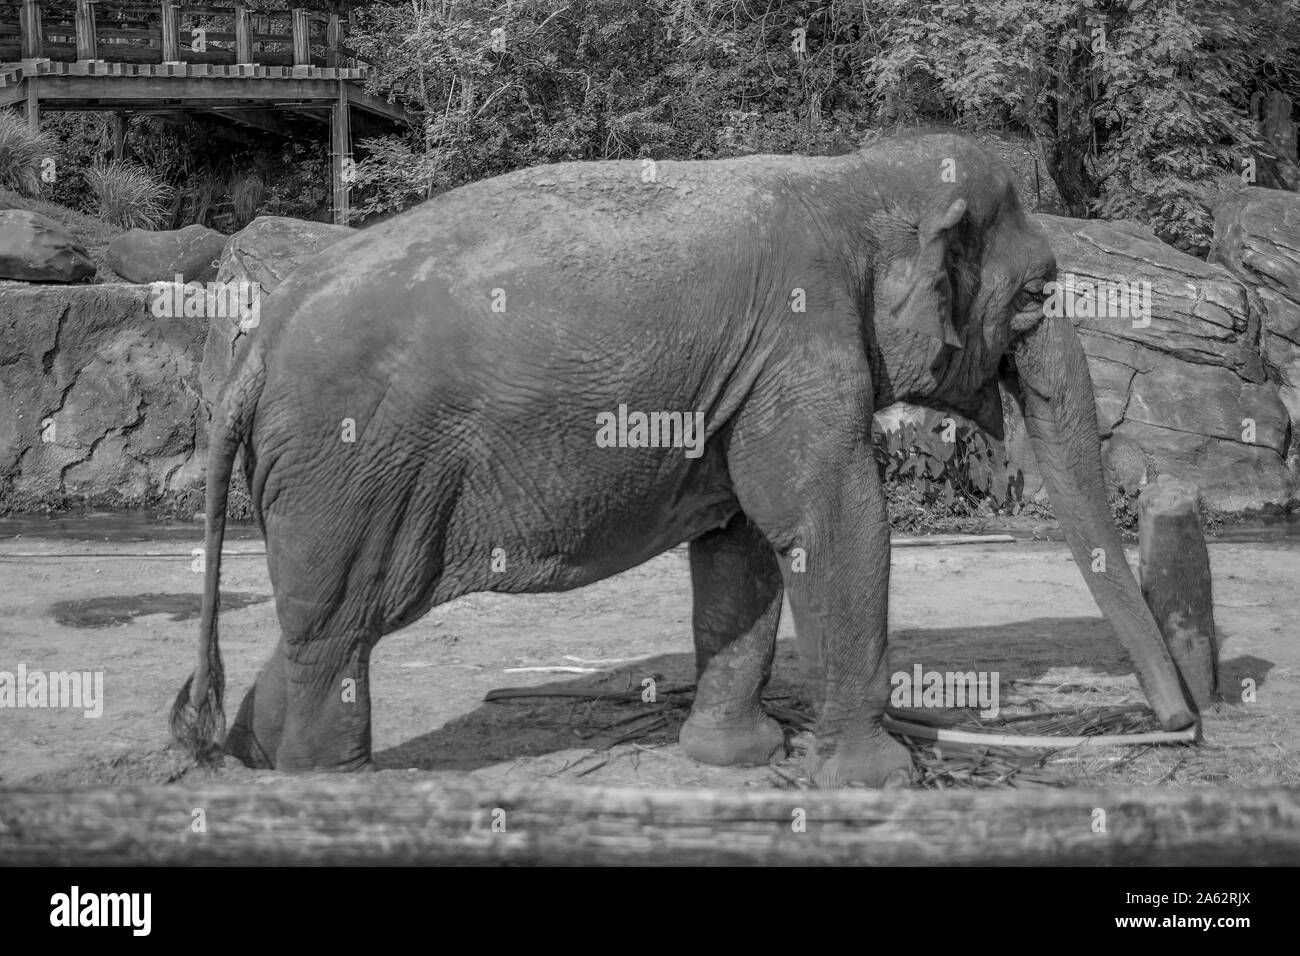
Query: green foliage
x,y
21,154
391,177
301,188
128,195
1140,108
946,466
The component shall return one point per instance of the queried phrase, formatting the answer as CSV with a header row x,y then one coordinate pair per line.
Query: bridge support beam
x,y
341,161
33,105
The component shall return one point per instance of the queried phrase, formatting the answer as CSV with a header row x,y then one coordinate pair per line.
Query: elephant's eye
x,y
1027,299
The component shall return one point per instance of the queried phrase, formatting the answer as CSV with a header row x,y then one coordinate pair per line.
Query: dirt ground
x,y
129,608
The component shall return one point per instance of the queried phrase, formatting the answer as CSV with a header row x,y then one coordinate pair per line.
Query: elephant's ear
x,y
922,295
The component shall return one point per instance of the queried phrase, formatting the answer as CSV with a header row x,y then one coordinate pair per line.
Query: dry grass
x,y
128,195
1241,747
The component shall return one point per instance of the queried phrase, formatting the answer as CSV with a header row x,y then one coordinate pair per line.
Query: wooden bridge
x,y
168,58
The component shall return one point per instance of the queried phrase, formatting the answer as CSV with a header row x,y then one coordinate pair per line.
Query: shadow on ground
x,y
603,710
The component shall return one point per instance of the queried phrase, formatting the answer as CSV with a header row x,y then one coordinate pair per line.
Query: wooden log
x,y
948,540
29,22
457,819
1174,568
87,44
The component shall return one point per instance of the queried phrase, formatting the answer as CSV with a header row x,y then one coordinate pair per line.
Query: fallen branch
x,y
386,819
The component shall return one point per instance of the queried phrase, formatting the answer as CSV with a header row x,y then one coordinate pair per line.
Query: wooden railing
x,y
167,32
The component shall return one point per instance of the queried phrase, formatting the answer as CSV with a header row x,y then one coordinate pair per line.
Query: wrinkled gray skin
x,y
475,429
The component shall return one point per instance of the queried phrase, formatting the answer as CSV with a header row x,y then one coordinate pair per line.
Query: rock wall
x,y
1257,238
99,398
104,402
1187,394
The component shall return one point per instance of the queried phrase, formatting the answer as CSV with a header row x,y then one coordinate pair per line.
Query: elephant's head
x,y
956,296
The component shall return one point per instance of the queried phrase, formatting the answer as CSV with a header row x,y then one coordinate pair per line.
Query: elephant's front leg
x,y
811,487
736,586
838,585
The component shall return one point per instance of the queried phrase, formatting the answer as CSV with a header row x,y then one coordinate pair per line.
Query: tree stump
x,y
1174,568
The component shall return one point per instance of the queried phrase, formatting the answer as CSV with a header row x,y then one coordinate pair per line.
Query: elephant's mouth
x,y
1026,321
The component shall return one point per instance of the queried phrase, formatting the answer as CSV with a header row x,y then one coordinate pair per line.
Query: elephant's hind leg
x,y
255,736
327,708
737,587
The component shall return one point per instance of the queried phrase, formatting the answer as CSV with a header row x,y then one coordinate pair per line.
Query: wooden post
x,y
1174,567
333,36
84,18
33,104
29,26
119,135
243,36
171,32
301,38
447,819
341,165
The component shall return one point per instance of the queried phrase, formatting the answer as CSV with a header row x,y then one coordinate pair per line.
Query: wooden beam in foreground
x,y
456,819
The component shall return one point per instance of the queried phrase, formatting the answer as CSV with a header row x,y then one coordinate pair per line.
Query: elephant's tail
x,y
198,720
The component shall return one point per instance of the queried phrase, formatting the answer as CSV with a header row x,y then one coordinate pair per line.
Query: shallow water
x,y
116,526
123,608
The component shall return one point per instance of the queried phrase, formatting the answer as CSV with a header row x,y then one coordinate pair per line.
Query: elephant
x,y
496,390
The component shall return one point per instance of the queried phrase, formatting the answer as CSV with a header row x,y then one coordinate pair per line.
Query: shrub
x,y
247,191
946,466
392,177
127,195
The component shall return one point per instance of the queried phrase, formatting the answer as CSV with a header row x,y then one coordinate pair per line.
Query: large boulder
x,y
98,397
270,247
264,252
146,255
1185,391
35,248
1257,237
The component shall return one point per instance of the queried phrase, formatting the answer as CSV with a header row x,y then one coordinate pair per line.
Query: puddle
x,y
114,526
123,608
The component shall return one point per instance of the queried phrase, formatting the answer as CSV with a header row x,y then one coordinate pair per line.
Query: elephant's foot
x,y
245,747
875,761
309,757
311,764
748,741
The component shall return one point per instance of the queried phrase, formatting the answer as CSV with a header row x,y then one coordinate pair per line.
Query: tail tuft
x,y
199,728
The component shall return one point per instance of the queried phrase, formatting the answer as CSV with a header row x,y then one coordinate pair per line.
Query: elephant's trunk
x,y
1061,417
